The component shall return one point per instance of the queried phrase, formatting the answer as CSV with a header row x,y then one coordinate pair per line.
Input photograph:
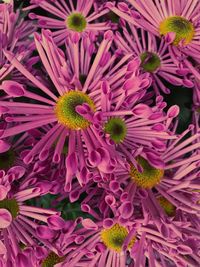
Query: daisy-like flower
x,y
102,243
69,107
21,223
70,18
177,21
133,126
14,37
170,187
154,56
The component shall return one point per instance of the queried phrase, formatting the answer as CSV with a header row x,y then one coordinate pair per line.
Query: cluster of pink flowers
x,y
94,170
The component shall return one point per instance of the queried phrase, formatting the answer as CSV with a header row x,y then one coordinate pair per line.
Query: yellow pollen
x,y
167,206
114,237
182,27
150,176
65,110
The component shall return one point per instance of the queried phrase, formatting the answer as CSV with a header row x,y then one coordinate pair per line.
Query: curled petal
x,y
142,110
45,232
89,224
55,222
3,192
12,88
4,146
5,218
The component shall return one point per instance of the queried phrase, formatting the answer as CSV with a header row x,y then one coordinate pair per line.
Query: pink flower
x,y
74,20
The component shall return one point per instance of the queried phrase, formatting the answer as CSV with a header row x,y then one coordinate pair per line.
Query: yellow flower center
x,y
51,260
76,22
182,27
149,177
114,237
168,207
11,205
66,110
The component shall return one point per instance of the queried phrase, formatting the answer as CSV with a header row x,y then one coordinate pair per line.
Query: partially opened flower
x,y
154,57
74,19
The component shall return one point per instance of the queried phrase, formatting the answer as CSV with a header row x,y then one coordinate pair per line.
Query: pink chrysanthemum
x,y
71,19
177,20
69,111
154,56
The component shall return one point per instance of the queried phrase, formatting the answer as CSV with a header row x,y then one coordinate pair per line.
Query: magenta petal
x,y
89,224
170,37
13,88
3,110
55,222
126,209
5,218
183,249
2,248
45,232
18,171
22,260
142,111
3,192
132,84
4,146
107,223
173,111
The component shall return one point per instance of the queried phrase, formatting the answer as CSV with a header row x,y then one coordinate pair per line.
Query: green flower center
x,y
117,129
51,260
7,159
66,110
150,62
76,22
114,237
182,27
168,207
11,205
149,177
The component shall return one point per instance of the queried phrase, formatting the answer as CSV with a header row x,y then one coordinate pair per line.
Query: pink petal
x,y
173,111
4,146
5,218
3,192
170,37
142,111
89,224
2,248
45,232
126,209
22,260
55,222
13,88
